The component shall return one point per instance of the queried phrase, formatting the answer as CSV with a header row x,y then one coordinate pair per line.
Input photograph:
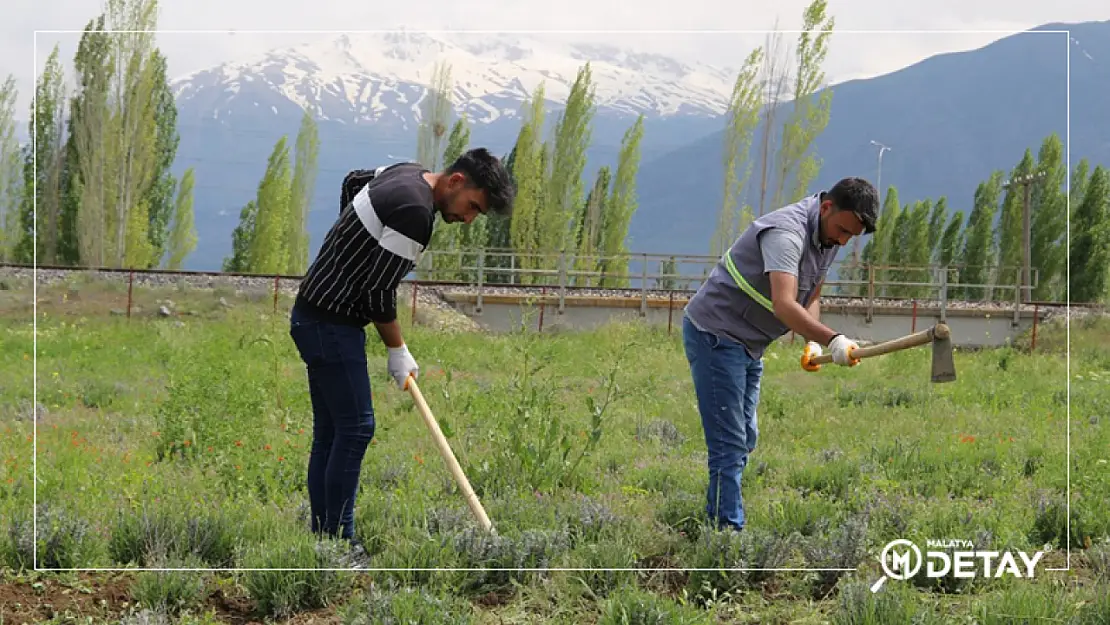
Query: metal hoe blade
x,y
944,367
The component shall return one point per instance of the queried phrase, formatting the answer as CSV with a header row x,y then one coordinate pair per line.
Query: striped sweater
x,y
376,241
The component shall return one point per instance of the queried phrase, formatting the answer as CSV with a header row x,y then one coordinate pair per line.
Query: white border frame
x,y
34,148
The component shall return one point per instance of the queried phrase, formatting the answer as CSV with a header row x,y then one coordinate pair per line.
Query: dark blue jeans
x,y
343,418
726,381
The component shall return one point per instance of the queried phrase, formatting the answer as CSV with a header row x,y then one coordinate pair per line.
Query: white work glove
x,y
401,364
811,351
840,347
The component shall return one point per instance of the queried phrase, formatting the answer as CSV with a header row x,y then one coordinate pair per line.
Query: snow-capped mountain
x,y
381,78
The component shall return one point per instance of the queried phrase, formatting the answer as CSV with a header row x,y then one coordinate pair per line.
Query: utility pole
x,y
1026,243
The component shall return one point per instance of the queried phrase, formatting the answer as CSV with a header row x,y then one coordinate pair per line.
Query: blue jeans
x,y
343,418
726,381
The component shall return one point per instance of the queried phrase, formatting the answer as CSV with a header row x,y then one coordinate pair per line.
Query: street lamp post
x,y
879,188
879,180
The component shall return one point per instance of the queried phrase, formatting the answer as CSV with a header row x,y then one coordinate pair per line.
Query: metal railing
x,y
647,273
668,275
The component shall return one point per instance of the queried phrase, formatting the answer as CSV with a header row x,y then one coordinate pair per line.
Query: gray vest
x,y
740,308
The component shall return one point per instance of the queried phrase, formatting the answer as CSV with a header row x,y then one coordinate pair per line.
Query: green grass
x,y
167,444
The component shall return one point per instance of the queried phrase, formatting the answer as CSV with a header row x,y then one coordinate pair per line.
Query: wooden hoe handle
x,y
448,455
939,331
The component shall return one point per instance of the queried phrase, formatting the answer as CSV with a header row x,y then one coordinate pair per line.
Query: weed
x,y
391,605
300,580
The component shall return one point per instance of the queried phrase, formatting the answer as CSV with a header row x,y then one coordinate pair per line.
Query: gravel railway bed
x,y
435,294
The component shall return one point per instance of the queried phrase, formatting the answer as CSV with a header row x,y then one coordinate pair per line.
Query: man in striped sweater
x,y
385,223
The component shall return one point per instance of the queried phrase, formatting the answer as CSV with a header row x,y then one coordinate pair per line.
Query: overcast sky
x,y
852,55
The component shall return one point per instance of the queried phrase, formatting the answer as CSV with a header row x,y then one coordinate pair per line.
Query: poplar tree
x,y
10,187
183,236
89,165
1049,207
810,114
951,242
133,136
978,250
302,187
620,208
743,117
936,225
41,201
268,248
1090,240
773,78
564,194
528,168
1009,233
241,240
498,242
884,238
435,111
470,236
160,194
589,236
917,250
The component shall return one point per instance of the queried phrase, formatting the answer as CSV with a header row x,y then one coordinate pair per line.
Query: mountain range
x,y
950,119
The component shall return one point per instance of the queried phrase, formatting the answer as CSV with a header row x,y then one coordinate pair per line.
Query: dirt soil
x,y
91,597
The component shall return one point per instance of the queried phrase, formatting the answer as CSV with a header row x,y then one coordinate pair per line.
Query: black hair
x,y
485,171
858,196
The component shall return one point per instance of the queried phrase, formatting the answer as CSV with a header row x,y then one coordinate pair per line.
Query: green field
x,y
182,442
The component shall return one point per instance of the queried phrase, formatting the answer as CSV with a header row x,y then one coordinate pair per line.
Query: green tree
x,y
774,76
10,188
950,245
435,111
241,239
528,171
978,249
160,193
183,236
810,115
41,202
302,187
620,208
589,236
743,117
572,135
471,236
498,242
1009,233
89,166
134,128
268,250
1090,240
918,250
936,225
885,238
1048,204
898,254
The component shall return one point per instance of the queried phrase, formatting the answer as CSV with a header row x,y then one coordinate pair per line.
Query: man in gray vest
x,y
764,286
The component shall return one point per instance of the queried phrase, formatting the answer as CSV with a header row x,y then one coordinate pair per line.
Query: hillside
x,y
950,119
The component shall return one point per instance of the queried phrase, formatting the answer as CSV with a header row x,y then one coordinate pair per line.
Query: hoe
x,y
944,369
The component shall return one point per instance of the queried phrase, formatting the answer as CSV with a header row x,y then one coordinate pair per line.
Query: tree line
x,y
558,212
95,184
983,248
106,196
